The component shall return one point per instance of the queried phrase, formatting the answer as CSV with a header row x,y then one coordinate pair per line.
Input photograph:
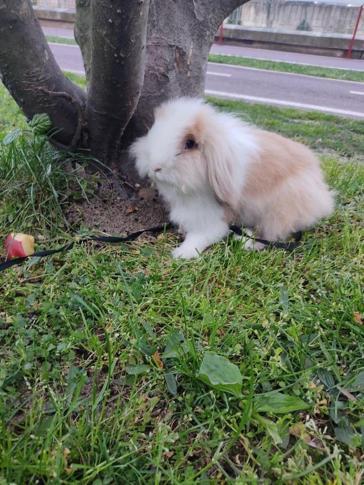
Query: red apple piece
x,y
18,245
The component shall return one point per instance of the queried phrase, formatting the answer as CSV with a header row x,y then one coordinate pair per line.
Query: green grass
x,y
61,40
326,72
328,135
84,397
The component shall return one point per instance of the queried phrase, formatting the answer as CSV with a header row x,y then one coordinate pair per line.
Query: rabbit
x,y
211,168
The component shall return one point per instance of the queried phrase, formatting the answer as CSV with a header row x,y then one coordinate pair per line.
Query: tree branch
x,y
227,6
218,10
32,75
118,37
82,31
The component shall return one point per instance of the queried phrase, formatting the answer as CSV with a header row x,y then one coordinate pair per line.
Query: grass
x,y
328,135
326,72
61,40
279,66
101,347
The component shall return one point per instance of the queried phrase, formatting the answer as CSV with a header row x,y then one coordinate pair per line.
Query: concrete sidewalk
x,y
65,30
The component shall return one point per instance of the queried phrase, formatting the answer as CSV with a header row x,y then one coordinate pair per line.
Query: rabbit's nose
x,y
157,169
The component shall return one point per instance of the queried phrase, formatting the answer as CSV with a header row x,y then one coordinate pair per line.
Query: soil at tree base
x,y
116,208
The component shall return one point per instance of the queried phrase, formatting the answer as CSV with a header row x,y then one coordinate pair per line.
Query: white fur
x,y
199,184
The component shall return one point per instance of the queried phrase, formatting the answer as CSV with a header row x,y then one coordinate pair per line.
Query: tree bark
x,y
82,31
180,35
118,39
33,78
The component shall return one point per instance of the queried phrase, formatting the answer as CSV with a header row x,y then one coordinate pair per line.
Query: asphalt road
x,y
60,30
343,98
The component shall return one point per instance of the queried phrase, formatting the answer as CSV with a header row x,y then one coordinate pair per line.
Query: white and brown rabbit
x,y
210,167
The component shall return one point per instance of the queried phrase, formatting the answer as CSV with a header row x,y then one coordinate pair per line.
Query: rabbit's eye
x,y
190,144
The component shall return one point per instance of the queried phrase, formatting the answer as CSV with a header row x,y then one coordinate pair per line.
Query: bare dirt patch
x,y
118,206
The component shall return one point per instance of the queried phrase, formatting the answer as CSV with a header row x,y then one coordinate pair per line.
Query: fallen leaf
x,y
358,318
157,360
347,393
299,431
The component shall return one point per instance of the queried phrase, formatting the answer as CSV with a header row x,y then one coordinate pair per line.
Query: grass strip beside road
x,y
325,72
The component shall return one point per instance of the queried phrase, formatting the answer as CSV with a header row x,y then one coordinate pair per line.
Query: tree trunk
x,y
179,38
120,101
118,38
34,79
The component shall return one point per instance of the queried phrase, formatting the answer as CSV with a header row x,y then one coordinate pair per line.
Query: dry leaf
x,y
157,360
299,431
347,394
358,318
131,209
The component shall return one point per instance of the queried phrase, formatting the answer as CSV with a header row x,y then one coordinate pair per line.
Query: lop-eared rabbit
x,y
211,168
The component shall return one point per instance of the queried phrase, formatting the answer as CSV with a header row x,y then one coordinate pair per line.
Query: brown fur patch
x,y
279,158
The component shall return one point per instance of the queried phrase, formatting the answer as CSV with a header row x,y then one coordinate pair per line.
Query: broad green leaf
x,y
271,428
357,385
171,383
326,378
40,123
278,403
149,329
135,370
175,346
12,136
219,373
346,435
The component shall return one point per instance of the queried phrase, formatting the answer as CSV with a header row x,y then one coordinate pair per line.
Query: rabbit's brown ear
x,y
220,169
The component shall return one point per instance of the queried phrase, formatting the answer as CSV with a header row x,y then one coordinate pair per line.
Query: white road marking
x,y
283,73
222,74
360,93
281,102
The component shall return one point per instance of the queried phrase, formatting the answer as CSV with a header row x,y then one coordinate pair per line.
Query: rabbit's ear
x,y
224,171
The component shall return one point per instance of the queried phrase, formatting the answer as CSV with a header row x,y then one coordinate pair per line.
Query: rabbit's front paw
x,y
251,245
185,251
